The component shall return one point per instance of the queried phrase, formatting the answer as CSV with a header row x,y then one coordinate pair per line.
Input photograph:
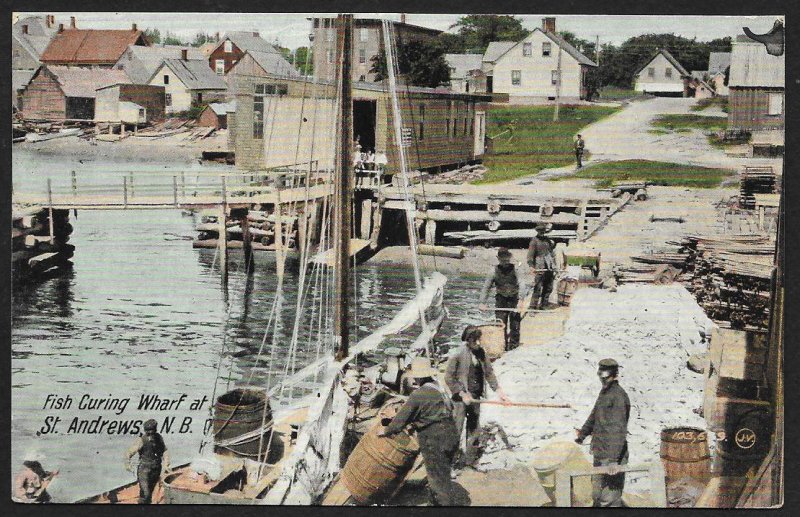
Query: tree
x,y
152,35
171,39
304,60
451,43
583,46
421,63
201,38
478,30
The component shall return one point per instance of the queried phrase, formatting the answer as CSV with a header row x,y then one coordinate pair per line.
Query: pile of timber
x,y
35,253
167,127
260,224
465,174
755,180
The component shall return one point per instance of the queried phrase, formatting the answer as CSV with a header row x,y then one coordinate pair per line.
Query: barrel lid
x,y
553,454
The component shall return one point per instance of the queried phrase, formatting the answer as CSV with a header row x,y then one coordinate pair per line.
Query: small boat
x,y
41,137
127,494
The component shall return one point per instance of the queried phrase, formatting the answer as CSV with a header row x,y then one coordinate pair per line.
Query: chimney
x,y
403,18
549,24
184,54
24,29
47,21
72,22
255,34
60,27
133,27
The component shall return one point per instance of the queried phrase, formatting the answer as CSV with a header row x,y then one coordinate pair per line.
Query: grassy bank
x,y
614,93
704,104
538,142
675,122
654,173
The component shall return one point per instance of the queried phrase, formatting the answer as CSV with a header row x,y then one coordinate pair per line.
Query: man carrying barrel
x,y
608,425
542,261
468,372
430,411
507,295
152,456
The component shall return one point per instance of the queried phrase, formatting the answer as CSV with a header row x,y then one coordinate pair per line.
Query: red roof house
x,y
75,46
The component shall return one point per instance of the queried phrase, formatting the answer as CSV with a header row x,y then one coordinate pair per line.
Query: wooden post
x,y
278,229
175,190
558,86
131,175
247,245
125,191
74,184
50,209
430,232
183,184
222,241
366,218
122,130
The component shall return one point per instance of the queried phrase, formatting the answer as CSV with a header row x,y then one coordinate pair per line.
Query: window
x,y
166,79
363,35
775,104
258,111
516,77
141,113
554,77
228,46
199,97
668,72
168,99
219,66
330,56
651,72
527,49
362,55
421,121
547,48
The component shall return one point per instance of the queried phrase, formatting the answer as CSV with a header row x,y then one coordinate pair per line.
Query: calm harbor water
x,y
144,314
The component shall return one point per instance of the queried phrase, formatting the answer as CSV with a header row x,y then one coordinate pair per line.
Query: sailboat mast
x,y
343,191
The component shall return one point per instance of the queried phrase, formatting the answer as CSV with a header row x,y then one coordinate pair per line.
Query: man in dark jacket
x,y
468,372
152,456
542,261
507,295
579,146
430,411
608,425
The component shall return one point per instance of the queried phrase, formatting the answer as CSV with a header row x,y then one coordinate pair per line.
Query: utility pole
x,y
597,49
558,85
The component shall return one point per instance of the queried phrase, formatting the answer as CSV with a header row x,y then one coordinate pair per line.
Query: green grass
x,y
614,93
659,131
654,173
675,122
704,104
538,142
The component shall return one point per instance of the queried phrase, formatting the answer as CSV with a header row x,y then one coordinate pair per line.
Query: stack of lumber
x,y
755,180
170,126
35,254
261,225
466,174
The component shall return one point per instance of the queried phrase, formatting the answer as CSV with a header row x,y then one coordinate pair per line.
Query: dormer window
x,y
228,46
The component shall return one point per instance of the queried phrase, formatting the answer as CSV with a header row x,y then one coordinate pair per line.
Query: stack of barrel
x,y
687,464
243,424
40,247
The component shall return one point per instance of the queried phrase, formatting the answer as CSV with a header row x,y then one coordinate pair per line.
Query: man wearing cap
x,y
542,261
30,485
430,411
608,425
579,146
152,455
504,279
468,372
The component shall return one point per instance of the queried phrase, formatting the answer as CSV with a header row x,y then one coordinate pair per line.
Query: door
x,y
480,132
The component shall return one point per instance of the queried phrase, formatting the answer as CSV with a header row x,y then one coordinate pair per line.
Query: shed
x,y
757,86
188,83
125,102
662,75
63,92
216,115
140,63
254,62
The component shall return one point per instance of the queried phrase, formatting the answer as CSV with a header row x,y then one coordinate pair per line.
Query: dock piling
x,y
223,238
125,191
175,190
74,184
50,209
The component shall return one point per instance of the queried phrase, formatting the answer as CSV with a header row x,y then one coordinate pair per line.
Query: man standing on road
x,y
430,411
608,425
579,145
467,373
505,281
152,455
542,260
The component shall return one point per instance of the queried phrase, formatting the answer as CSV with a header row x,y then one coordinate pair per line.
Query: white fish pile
x,y
650,330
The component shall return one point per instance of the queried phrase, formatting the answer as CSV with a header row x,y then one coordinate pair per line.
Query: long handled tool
x,y
522,404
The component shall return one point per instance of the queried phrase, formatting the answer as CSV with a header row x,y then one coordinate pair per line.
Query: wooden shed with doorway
x,y
129,103
215,115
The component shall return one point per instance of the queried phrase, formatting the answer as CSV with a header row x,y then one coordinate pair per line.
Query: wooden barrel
x,y
566,288
563,455
684,453
237,413
493,339
378,465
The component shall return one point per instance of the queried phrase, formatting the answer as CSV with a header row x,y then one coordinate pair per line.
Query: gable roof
x,y
38,37
195,74
558,40
144,61
463,63
274,63
246,41
223,108
83,82
20,78
752,66
718,62
672,61
497,49
89,46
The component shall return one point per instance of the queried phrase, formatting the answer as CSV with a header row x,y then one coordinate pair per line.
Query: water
x,y
141,314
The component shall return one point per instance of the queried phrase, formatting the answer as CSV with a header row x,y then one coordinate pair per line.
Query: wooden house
x,y
140,63
528,71
65,92
699,87
227,52
466,75
662,75
91,47
129,103
188,83
254,62
718,65
216,115
274,125
757,85
30,36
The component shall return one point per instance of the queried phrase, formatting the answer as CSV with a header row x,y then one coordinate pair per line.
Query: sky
x,y
291,29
